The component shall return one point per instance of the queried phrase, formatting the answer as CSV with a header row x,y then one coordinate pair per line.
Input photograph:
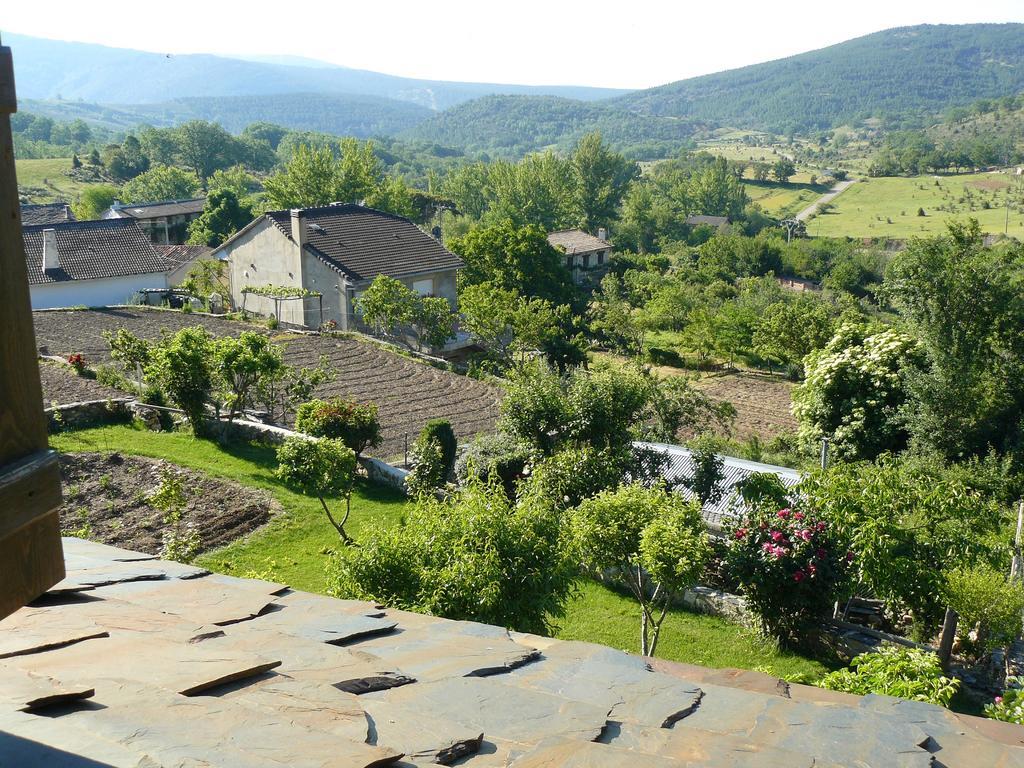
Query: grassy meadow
x,y
294,546
46,181
888,207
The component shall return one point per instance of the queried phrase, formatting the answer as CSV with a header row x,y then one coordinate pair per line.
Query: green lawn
x,y
782,200
888,207
44,181
601,615
293,547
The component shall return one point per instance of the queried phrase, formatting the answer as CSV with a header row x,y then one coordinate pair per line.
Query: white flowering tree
x,y
854,392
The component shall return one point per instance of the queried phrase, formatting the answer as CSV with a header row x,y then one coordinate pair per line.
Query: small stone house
x,y
90,263
586,256
165,222
335,250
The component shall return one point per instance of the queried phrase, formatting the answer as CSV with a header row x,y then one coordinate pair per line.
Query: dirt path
x,y
828,197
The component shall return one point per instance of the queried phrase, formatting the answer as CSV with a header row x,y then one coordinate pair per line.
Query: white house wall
x,y
265,256
93,293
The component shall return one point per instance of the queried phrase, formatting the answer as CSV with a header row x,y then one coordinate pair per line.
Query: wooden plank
x,y
29,489
31,559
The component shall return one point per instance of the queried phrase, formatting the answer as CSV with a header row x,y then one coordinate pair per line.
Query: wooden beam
x,y
31,558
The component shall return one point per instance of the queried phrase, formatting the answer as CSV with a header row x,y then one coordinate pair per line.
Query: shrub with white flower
x,y
854,390
790,568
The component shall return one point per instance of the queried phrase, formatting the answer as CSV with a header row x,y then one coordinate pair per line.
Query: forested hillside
x,y
899,73
339,114
50,69
511,126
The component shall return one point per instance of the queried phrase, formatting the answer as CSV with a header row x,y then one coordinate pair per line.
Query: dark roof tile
x,y
46,213
161,208
362,242
91,250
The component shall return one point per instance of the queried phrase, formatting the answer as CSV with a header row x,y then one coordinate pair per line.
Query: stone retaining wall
x,y
90,413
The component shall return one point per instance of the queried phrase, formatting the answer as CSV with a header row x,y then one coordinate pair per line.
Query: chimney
x,y
298,228
602,233
51,259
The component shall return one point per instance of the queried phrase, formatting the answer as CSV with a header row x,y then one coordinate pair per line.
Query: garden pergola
x,y
278,294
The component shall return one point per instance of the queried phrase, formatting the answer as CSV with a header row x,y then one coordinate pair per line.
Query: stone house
x,y
165,222
586,256
90,263
335,250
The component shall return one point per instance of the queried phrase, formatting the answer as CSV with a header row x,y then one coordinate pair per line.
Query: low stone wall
x,y
715,602
90,413
382,473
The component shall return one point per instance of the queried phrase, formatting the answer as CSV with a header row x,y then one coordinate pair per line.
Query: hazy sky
x,y
625,43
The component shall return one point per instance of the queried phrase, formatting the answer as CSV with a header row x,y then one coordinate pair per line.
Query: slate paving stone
x,y
25,692
499,711
279,678
447,649
33,630
693,747
165,663
421,735
211,731
621,683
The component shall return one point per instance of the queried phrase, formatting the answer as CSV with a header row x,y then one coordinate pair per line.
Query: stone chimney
x,y
51,258
299,234
602,233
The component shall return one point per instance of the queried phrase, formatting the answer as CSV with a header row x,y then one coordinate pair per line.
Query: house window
x,y
586,261
424,287
600,258
568,262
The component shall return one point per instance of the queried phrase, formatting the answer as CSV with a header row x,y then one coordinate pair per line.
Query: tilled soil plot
x,y
408,393
105,499
61,386
762,402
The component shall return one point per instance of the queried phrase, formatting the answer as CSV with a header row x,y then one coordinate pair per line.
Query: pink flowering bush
x,y
790,569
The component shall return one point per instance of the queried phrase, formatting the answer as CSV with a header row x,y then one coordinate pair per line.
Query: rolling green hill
x,y
340,114
904,72
511,126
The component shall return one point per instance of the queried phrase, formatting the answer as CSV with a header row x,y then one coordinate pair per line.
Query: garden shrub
x,y
354,424
441,431
1010,706
320,468
184,364
908,527
790,567
109,376
474,557
493,456
568,477
989,605
153,395
653,539
669,357
895,670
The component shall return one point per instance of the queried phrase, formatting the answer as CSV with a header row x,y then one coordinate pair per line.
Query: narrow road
x,y
828,197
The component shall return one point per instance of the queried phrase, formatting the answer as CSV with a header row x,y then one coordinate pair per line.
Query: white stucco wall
x,y
264,256
93,293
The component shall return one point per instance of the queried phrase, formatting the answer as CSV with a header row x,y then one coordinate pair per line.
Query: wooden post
x,y
824,453
948,635
31,557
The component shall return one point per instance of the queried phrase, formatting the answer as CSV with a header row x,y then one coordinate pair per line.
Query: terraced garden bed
x,y
409,393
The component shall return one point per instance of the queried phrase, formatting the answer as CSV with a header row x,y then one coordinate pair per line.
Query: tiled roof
x,y
90,250
161,208
177,255
577,241
680,467
363,242
133,661
46,213
714,221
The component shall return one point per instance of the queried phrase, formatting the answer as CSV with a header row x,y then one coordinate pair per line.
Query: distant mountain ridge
x,y
926,68
50,69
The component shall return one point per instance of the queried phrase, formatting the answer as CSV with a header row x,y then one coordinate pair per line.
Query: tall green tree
x,y
223,215
600,180
309,179
161,182
518,259
94,200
